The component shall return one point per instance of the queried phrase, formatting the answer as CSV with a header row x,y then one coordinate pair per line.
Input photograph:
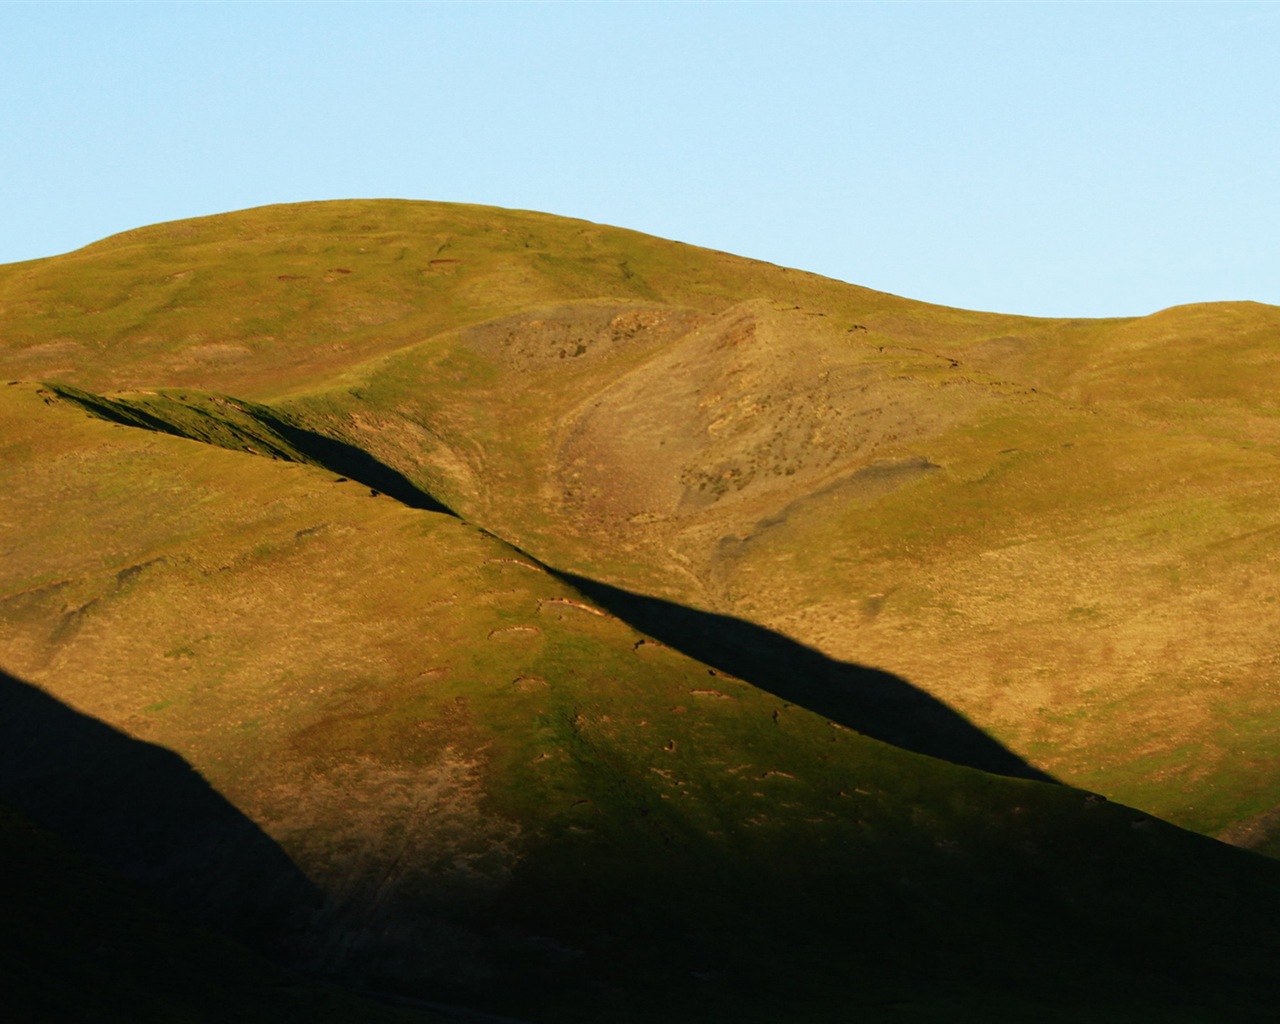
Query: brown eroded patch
x,y
547,336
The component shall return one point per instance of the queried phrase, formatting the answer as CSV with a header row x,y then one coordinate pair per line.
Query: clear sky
x,y
1058,159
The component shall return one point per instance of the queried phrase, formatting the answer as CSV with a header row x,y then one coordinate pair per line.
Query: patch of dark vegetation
x,y
129,575
866,484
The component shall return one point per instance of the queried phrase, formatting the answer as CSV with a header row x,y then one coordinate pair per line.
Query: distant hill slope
x,y
515,576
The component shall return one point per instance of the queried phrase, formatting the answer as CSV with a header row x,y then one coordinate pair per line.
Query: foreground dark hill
x,y
80,943
255,523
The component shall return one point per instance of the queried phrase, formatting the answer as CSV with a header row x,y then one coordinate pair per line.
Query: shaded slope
x,y
143,812
78,942
506,795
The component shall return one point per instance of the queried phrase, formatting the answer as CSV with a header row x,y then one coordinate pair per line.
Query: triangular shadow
x,y
356,463
875,703
320,449
144,812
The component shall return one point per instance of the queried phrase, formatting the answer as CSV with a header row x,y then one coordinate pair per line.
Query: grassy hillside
x,y
1059,528
515,577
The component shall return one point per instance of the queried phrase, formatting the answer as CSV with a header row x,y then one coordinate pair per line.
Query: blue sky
x,y
1057,159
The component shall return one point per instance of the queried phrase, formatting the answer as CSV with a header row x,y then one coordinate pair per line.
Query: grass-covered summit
x,y
587,625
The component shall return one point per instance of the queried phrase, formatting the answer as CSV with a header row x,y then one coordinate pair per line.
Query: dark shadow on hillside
x,y
875,703
355,463
146,813
319,449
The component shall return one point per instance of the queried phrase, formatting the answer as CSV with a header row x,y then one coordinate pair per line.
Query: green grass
x,y
476,770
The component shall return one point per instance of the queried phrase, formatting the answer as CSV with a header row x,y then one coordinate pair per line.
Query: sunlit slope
x,y
254,302
1063,529
507,797
1066,532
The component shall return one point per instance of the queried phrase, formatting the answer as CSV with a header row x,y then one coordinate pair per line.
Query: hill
x,y
518,579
